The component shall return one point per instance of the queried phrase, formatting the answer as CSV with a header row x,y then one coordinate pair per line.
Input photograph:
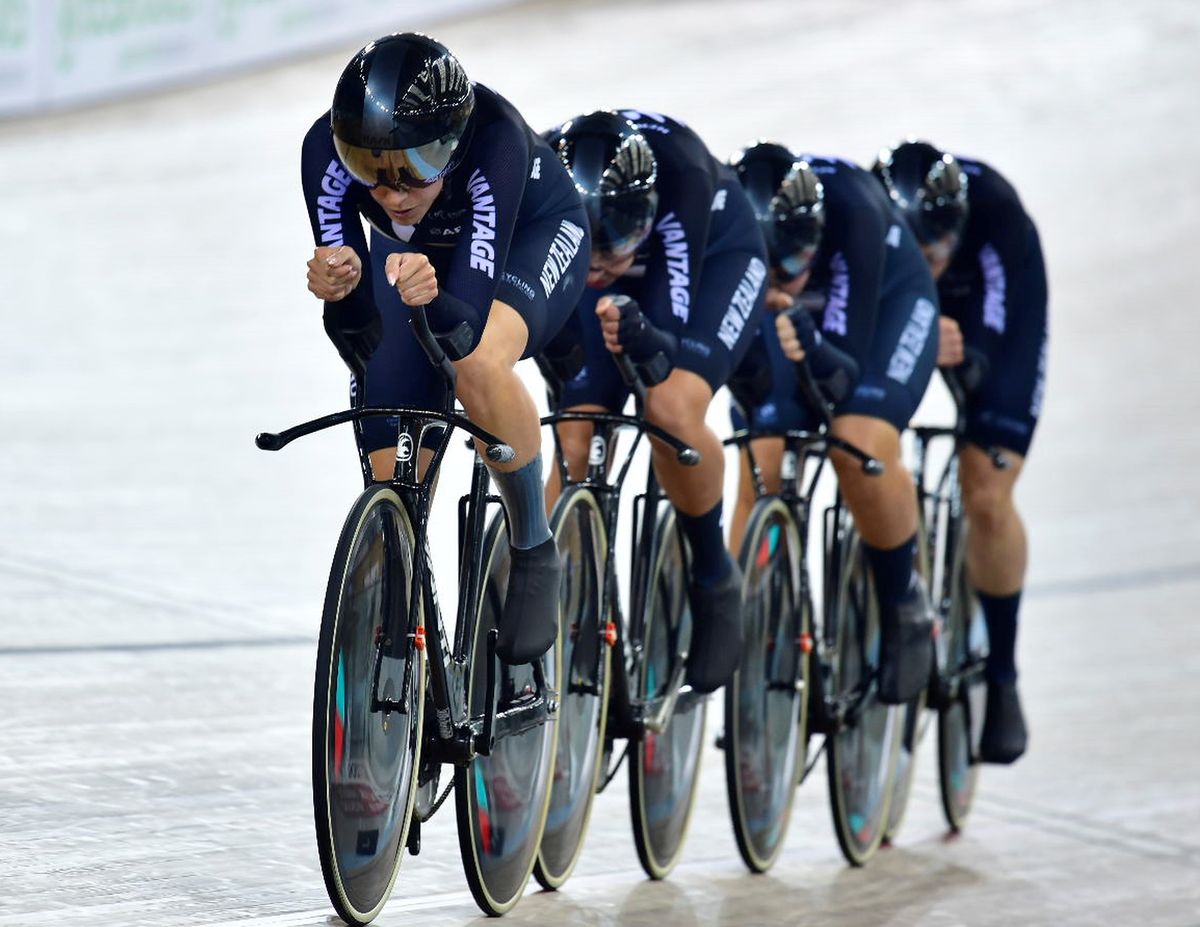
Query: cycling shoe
x,y
906,651
717,636
1004,735
529,622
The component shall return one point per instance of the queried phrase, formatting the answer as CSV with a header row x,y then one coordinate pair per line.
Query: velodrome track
x,y
160,580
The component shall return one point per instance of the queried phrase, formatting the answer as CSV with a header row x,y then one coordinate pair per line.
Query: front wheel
x,y
578,527
862,752
664,765
766,705
368,707
502,798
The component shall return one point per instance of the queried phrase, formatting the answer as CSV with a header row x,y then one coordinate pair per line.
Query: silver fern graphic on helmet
x,y
633,167
799,194
441,84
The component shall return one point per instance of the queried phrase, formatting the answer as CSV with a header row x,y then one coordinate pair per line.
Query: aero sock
x,y
525,504
893,571
710,562
1000,613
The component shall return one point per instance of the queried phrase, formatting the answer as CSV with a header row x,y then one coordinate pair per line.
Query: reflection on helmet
x,y
401,113
788,201
927,185
615,171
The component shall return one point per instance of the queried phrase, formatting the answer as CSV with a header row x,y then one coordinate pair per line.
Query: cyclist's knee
x,y
679,401
480,372
988,505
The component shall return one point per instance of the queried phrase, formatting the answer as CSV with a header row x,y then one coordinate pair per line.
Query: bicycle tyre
x,y
766,705
578,526
365,767
861,756
913,721
960,722
664,767
502,799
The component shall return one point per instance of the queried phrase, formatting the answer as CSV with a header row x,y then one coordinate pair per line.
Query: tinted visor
x,y
793,245
932,223
419,166
621,223
791,266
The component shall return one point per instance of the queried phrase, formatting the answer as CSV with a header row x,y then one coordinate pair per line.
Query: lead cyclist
x,y
473,217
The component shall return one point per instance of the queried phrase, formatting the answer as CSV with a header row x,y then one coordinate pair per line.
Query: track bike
x,y
395,697
623,670
805,673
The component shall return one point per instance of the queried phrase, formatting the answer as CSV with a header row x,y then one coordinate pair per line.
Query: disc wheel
x,y
766,705
960,722
502,798
365,757
862,754
665,765
578,527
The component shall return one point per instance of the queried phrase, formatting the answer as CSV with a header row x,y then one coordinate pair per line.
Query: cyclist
x,y
473,217
840,255
672,230
985,252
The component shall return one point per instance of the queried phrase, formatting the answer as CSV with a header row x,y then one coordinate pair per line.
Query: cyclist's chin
x,y
599,279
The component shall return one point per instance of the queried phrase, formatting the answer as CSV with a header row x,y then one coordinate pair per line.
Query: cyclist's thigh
x,y
1005,410
903,351
399,373
599,382
545,273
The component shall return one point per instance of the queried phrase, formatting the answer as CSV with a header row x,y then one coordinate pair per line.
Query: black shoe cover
x,y
717,636
906,652
529,623
1004,735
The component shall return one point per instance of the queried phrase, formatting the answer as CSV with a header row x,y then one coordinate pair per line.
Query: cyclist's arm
x,y
855,282
985,317
677,258
495,178
331,197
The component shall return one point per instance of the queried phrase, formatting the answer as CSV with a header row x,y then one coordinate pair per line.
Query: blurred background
x,y
161,580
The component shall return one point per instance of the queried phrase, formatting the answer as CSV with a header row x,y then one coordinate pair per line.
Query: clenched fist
x,y
950,342
413,277
333,273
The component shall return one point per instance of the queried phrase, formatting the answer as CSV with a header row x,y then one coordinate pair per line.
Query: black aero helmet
x,y
928,185
615,171
788,201
401,112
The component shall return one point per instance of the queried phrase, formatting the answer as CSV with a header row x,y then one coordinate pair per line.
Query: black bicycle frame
x,y
459,737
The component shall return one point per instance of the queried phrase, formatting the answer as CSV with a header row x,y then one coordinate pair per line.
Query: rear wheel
x,y
502,798
960,722
664,765
862,753
579,529
365,758
766,704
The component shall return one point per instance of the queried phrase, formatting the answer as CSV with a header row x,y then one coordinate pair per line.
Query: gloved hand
x,y
836,372
627,330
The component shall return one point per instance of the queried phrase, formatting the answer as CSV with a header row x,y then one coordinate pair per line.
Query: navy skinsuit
x,y
995,288
701,274
508,225
875,299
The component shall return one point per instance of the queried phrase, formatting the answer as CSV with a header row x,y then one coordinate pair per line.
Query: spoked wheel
x,y
365,755
960,722
579,529
766,706
913,724
502,798
862,753
664,765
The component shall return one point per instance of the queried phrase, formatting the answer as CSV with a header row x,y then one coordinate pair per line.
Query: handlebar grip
x,y
268,441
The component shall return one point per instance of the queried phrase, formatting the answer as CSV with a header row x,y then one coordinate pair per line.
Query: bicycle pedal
x,y
414,838
719,742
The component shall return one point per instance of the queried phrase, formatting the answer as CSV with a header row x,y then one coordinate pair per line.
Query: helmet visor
x,y
794,265
933,222
418,166
621,223
793,244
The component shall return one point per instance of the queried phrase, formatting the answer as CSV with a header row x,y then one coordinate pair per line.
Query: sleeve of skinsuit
x,y
495,177
673,275
331,196
855,280
1005,242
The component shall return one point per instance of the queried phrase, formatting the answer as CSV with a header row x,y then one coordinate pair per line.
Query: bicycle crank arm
x,y
658,721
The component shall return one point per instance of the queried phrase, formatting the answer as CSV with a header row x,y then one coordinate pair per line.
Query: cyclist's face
x,y
939,253
406,205
605,268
